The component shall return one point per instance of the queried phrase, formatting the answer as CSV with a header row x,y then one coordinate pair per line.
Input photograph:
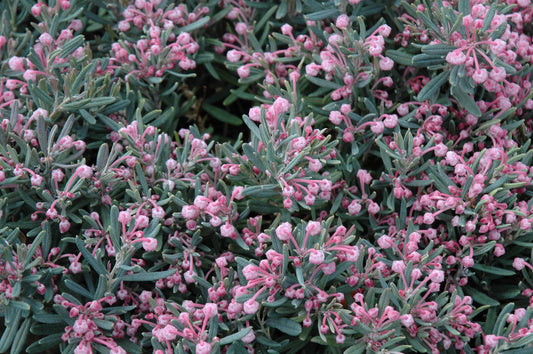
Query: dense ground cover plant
x,y
376,197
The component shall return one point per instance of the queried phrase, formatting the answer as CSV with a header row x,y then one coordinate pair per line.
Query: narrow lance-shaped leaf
x,y
433,86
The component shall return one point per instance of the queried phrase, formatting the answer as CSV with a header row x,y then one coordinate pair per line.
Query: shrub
x,y
266,176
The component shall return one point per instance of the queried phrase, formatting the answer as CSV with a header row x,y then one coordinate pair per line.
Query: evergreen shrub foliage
x,y
277,176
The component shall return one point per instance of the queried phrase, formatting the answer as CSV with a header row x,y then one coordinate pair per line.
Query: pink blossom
x,y
75,267
335,39
203,347
456,57
286,29
83,348
312,69
249,337
437,276
329,268
525,224
281,105
407,320
190,212
491,340
384,30
250,307
255,114
299,143
243,71
519,263
313,228
386,64
480,75
149,244
233,56
124,217
142,221
385,242
16,63
84,171
364,176
398,266
36,9
284,231
467,262
441,150
64,226
342,22
36,180
390,121
158,212
228,230
377,127
429,218
316,256
167,333
373,208
354,208
336,117
314,165
210,310
46,39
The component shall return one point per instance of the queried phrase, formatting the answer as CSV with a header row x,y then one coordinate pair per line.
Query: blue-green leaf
x,y
285,325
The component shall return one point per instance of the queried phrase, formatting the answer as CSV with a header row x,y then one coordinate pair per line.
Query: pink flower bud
x,y
286,29
228,230
64,226
243,71
84,171
249,338
467,262
384,30
190,212
250,307
65,4
36,180
456,57
525,224
519,263
75,267
491,340
203,347
281,105
284,231
480,75
390,121
36,9
373,208
312,69
437,276
385,242
313,228
158,212
398,266
46,39
316,256
149,244
407,320
342,22
16,63
377,127
124,217
386,64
